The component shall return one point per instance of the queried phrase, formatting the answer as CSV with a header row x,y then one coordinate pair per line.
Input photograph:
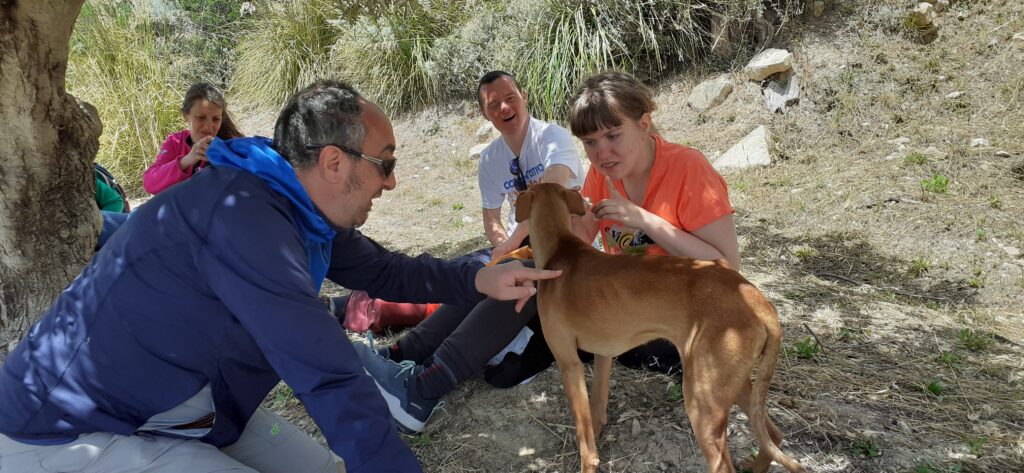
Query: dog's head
x,y
545,191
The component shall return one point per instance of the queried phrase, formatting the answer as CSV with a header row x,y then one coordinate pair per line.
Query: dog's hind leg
x,y
763,460
563,346
711,386
599,393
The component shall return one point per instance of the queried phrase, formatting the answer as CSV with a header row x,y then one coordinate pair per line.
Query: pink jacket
x,y
166,172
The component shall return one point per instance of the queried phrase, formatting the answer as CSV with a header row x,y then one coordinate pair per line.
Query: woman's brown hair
x,y
605,99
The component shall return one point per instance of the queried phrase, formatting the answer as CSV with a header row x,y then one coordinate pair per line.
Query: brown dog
x,y
607,304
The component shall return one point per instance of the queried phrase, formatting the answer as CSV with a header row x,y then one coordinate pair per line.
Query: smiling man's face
x,y
504,105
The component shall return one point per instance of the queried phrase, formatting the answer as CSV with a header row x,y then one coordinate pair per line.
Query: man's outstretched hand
x,y
510,281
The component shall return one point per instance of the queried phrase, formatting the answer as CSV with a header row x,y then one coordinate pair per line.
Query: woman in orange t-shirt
x,y
650,195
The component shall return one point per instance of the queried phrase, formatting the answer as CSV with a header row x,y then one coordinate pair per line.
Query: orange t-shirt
x,y
683,189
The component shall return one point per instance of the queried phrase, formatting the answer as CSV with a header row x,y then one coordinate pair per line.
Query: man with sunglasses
x,y
157,356
528,151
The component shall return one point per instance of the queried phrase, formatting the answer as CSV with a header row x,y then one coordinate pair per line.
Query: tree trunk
x,y
48,216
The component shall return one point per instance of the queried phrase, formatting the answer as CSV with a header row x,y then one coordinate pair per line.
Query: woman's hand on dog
x,y
510,281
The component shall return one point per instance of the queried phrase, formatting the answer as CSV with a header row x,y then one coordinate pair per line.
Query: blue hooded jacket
x,y
214,282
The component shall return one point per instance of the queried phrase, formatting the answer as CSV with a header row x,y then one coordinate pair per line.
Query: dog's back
x,y
668,297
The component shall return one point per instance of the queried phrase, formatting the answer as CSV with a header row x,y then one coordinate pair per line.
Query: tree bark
x,y
48,216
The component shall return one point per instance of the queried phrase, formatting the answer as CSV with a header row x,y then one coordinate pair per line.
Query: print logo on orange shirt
x,y
626,240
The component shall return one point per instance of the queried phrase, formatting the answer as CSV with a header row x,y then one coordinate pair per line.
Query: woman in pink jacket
x,y
184,153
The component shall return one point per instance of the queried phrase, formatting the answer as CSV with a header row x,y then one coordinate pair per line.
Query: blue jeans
x,y
111,222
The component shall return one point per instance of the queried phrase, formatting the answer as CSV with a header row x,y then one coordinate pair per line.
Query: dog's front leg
x,y
599,398
576,390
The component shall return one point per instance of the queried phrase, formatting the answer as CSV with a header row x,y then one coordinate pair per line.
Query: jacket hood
x,y
256,156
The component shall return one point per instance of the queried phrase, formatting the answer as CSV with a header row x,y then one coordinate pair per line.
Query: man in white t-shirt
x,y
527,152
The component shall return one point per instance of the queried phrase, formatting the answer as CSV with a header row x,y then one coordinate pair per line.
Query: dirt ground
x,y
901,307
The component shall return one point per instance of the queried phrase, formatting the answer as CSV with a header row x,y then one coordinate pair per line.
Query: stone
x,y
768,62
779,96
710,93
923,15
752,150
636,427
980,143
1003,154
247,8
467,219
485,133
474,152
955,95
899,141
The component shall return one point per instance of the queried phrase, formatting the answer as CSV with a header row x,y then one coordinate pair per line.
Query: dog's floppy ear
x,y
523,203
575,202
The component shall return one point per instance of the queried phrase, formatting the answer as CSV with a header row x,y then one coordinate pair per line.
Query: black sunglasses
x,y
520,181
387,165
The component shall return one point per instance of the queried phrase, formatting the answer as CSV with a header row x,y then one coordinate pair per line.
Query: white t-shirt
x,y
546,144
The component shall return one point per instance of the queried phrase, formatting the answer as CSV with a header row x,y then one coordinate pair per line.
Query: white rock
x,y
1003,154
636,427
899,141
710,93
485,133
752,150
955,94
980,143
474,152
467,219
778,97
768,62
923,14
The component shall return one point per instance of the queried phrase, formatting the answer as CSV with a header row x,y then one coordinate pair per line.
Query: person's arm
x,y
166,170
494,229
358,262
715,240
266,285
557,173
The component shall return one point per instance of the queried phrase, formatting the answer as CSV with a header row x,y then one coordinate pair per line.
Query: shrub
x,y
390,56
288,46
113,64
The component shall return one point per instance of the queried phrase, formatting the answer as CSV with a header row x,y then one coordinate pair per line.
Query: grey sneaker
x,y
397,384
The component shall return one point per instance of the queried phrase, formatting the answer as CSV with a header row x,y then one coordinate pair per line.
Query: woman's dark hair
x,y
209,92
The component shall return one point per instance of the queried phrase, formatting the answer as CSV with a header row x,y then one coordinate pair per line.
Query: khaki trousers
x,y
269,444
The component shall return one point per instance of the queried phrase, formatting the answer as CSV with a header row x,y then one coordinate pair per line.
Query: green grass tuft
x,y
287,47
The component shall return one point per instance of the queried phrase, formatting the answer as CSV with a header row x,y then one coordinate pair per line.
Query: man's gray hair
x,y
325,112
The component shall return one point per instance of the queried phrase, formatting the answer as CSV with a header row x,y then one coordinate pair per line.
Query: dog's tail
x,y
759,395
